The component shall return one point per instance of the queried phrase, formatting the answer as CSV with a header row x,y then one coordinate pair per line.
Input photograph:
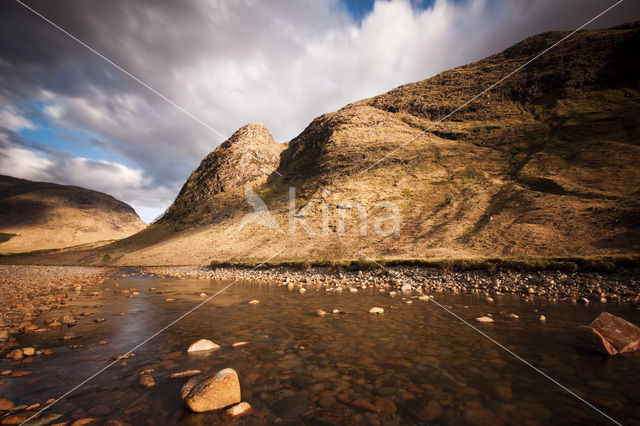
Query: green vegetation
x,y
466,175
603,264
407,193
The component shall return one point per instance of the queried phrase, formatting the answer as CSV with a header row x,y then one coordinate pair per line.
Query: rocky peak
x,y
249,154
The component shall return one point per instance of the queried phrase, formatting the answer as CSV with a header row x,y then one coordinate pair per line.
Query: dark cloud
x,y
229,63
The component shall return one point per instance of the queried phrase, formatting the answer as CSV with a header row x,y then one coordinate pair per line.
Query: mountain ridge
x,y
544,165
46,216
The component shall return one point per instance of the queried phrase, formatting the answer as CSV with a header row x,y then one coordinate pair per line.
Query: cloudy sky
x,y
69,116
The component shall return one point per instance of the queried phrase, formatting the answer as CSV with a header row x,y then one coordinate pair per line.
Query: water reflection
x,y
412,365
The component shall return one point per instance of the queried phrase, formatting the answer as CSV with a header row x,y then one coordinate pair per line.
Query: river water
x,y
415,363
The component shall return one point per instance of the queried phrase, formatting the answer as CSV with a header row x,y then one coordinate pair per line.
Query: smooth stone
x,y
326,401
187,373
376,310
239,344
484,319
323,374
29,351
254,302
365,405
542,318
239,410
6,404
212,392
386,406
203,345
514,316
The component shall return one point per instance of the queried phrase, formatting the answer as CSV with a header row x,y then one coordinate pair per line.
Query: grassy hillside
x,y
41,216
546,164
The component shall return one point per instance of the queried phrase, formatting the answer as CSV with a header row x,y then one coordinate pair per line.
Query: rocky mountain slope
x,y
36,216
544,164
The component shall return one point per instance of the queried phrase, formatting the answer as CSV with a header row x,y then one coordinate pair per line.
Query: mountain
x,y
37,216
543,164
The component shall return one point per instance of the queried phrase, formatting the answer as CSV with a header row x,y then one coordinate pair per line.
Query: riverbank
x,y
621,286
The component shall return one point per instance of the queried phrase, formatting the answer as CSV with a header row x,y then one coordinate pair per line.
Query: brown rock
x,y
187,373
609,334
213,392
365,405
6,404
147,381
21,373
385,406
83,421
15,419
15,355
240,410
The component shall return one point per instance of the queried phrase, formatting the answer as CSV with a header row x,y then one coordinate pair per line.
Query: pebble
x,y
147,380
186,373
302,290
365,405
485,319
239,410
320,313
203,345
254,302
15,355
514,316
203,294
6,404
239,344
542,318
376,310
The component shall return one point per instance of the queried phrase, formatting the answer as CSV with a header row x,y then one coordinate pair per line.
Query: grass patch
x,y
602,264
468,174
407,193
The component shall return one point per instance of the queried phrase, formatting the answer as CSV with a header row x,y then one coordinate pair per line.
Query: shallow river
x,y
416,363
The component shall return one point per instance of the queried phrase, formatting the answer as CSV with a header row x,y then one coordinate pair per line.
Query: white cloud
x,y
12,120
124,183
229,63
25,164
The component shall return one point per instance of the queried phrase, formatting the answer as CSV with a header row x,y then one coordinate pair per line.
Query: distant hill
x,y
40,216
545,164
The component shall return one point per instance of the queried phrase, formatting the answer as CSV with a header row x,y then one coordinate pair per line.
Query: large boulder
x,y
212,392
609,334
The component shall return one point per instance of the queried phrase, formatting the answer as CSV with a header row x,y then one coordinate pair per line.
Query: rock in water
x,y
484,319
203,345
239,410
376,310
6,404
213,392
147,381
609,334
